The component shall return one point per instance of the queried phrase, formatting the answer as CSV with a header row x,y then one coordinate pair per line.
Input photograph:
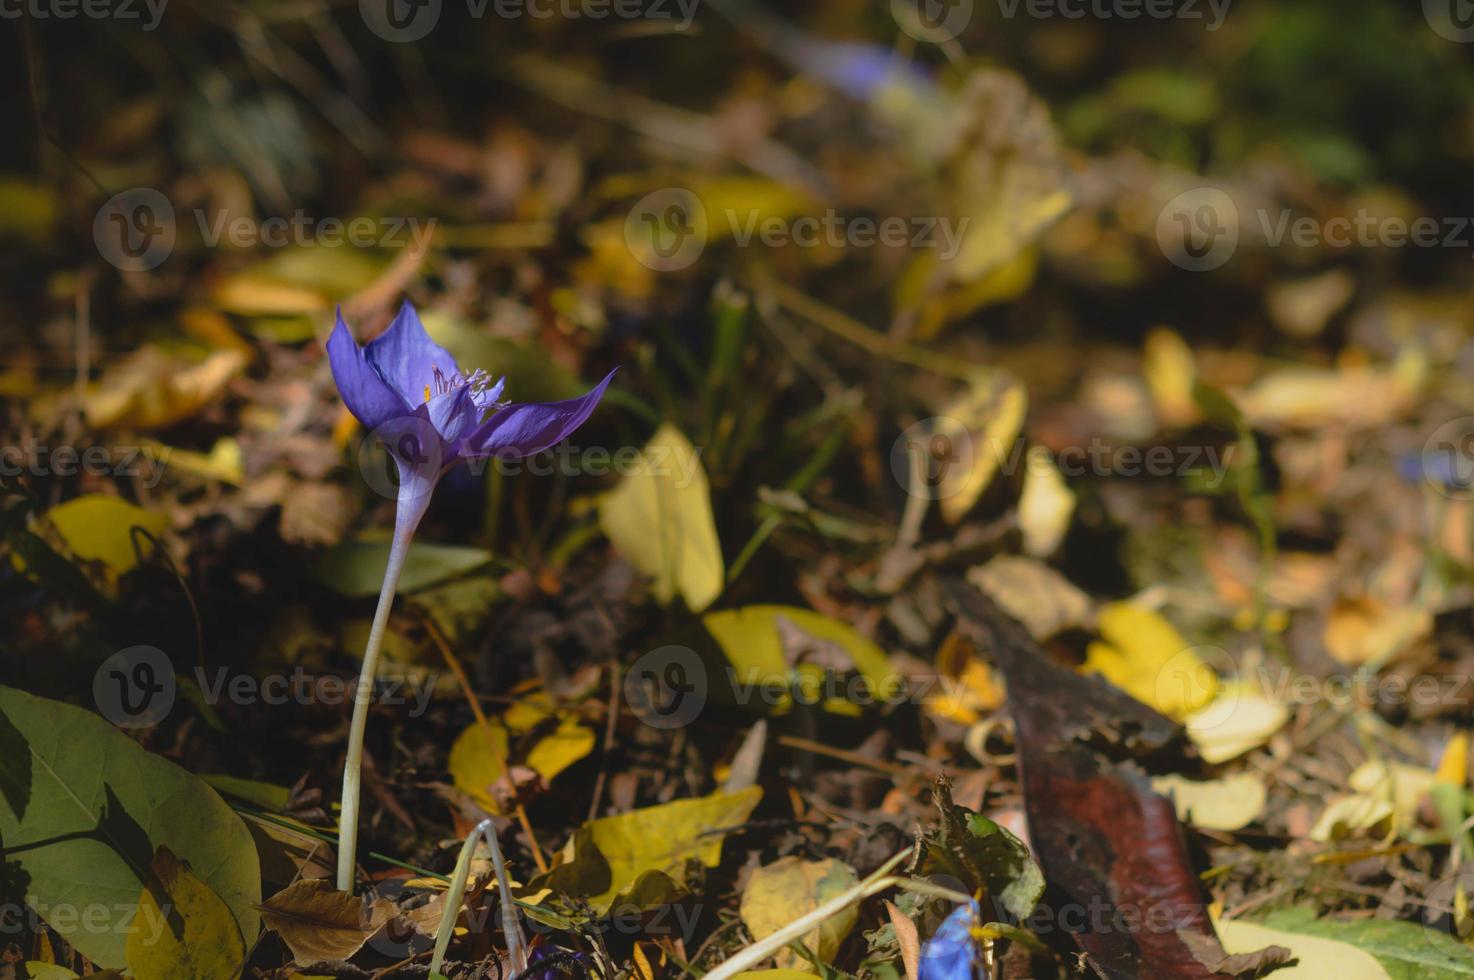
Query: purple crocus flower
x,y
952,953
407,390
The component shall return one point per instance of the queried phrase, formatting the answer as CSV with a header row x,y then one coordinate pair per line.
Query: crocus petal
x,y
522,430
368,396
951,952
452,413
407,357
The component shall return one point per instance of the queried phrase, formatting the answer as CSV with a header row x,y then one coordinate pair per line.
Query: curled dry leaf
x,y
318,922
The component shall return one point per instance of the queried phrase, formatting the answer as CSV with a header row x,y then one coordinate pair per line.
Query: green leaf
x,y
356,568
1407,951
98,805
983,855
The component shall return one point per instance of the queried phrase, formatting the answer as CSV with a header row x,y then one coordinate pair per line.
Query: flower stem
x,y
510,927
407,517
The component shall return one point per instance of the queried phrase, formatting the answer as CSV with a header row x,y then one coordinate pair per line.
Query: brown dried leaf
x,y
318,922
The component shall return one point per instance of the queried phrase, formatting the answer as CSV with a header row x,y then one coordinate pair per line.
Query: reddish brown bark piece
x,y
1119,881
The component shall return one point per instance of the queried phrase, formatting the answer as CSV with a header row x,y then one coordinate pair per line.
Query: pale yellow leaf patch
x,y
659,517
1316,958
1045,507
1146,657
1230,803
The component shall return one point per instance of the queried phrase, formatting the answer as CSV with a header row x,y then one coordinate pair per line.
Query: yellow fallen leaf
x,y
790,888
1315,958
640,859
1453,767
1003,284
99,527
1033,593
1170,370
1146,657
1230,803
1404,786
1348,815
1310,398
1238,720
150,389
659,517
48,971
196,937
1045,506
761,642
980,427
224,462
1368,632
969,687
481,755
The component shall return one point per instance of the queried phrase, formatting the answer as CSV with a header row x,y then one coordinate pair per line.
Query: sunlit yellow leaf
x,y
150,389
1146,657
659,517
1170,370
1033,593
99,527
980,426
193,933
481,755
638,860
1238,720
1315,958
790,888
762,642
1230,803
1045,507
1351,814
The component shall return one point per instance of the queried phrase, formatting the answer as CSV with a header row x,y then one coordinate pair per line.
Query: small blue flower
x,y
952,952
